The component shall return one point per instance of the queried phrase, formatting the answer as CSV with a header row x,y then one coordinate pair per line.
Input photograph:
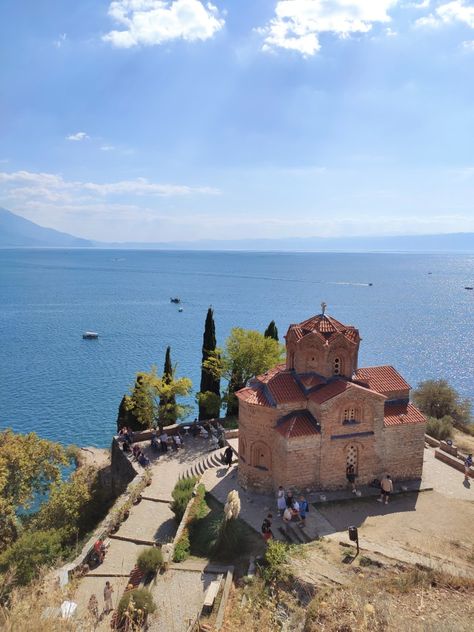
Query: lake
x,y
416,315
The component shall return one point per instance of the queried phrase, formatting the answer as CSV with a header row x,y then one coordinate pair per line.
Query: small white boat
x,y
180,309
90,335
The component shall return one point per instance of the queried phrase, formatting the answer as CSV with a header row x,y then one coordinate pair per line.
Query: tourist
x,y
228,454
195,428
386,487
154,440
281,500
143,460
136,450
351,476
108,590
267,528
99,550
295,508
287,517
177,443
304,508
467,466
93,608
289,499
164,441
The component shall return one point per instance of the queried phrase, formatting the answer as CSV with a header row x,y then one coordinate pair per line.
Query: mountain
x,y
18,232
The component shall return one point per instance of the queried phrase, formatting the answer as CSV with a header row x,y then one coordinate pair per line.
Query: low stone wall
x,y
452,461
450,449
434,443
121,468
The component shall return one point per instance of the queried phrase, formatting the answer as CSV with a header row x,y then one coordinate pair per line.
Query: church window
x,y
337,366
351,415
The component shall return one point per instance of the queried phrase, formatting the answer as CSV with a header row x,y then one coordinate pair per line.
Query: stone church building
x,y
303,422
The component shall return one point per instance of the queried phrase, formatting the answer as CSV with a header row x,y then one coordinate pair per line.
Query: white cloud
x,y
53,186
468,46
298,24
153,22
60,41
449,13
78,136
423,4
107,148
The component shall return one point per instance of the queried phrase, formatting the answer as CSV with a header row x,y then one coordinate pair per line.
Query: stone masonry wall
x,y
404,446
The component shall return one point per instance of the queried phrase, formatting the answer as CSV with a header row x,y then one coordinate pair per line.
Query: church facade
x,y
302,423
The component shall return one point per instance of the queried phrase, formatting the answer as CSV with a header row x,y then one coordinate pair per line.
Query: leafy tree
x,y
440,428
28,466
153,399
437,399
271,331
66,503
247,353
9,524
30,553
209,406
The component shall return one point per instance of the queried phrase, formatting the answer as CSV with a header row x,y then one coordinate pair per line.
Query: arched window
x,y
351,456
337,366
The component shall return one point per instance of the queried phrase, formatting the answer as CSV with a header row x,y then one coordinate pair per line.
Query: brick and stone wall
x,y
404,446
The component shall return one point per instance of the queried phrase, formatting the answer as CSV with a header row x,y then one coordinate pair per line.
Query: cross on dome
x,y
323,307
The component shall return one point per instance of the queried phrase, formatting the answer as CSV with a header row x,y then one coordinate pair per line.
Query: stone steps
x,y
199,467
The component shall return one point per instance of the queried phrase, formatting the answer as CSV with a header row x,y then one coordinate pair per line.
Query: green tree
x,y
30,553
167,413
247,353
125,417
155,399
271,331
9,524
67,503
28,466
209,406
437,399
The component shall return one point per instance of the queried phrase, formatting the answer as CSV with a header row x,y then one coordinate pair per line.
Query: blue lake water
x,y
68,389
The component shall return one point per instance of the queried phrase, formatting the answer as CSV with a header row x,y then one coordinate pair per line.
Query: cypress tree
x,y
271,331
209,383
167,404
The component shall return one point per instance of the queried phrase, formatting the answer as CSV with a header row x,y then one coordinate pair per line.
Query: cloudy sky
x,y
154,120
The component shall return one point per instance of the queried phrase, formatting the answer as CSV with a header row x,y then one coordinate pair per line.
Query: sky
x,y
158,120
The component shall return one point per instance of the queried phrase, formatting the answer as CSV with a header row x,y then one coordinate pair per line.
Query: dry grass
x,y
464,442
413,600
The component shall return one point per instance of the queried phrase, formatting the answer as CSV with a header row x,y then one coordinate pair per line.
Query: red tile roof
x,y
253,396
284,388
310,380
329,391
264,378
301,423
383,379
400,414
326,327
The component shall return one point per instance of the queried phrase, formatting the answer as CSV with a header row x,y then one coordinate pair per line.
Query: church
x,y
302,423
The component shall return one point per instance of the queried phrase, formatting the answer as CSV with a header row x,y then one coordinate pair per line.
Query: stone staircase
x,y
198,468
293,534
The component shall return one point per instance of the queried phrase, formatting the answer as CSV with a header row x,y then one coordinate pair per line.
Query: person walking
x,y
386,487
351,477
281,500
267,532
228,454
108,590
164,441
287,516
467,466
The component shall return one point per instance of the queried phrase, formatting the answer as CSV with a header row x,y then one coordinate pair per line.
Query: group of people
x,y
93,606
161,441
289,508
140,456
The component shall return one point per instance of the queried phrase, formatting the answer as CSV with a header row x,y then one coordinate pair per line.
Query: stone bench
x,y
211,594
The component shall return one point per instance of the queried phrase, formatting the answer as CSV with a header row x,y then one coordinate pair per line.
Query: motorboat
x,y
468,287
90,335
175,300
180,309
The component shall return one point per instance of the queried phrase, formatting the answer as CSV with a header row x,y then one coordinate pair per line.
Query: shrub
x,y
276,557
182,548
30,553
182,494
135,605
440,428
150,560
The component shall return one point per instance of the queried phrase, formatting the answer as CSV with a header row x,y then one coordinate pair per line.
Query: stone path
x,y
149,522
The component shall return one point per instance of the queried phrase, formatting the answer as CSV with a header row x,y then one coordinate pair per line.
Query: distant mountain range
x,y
18,232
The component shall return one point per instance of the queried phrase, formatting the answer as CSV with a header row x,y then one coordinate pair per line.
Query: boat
x,y
180,309
468,287
175,300
90,335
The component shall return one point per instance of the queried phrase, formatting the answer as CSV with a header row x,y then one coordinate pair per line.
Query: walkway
x,y
150,522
